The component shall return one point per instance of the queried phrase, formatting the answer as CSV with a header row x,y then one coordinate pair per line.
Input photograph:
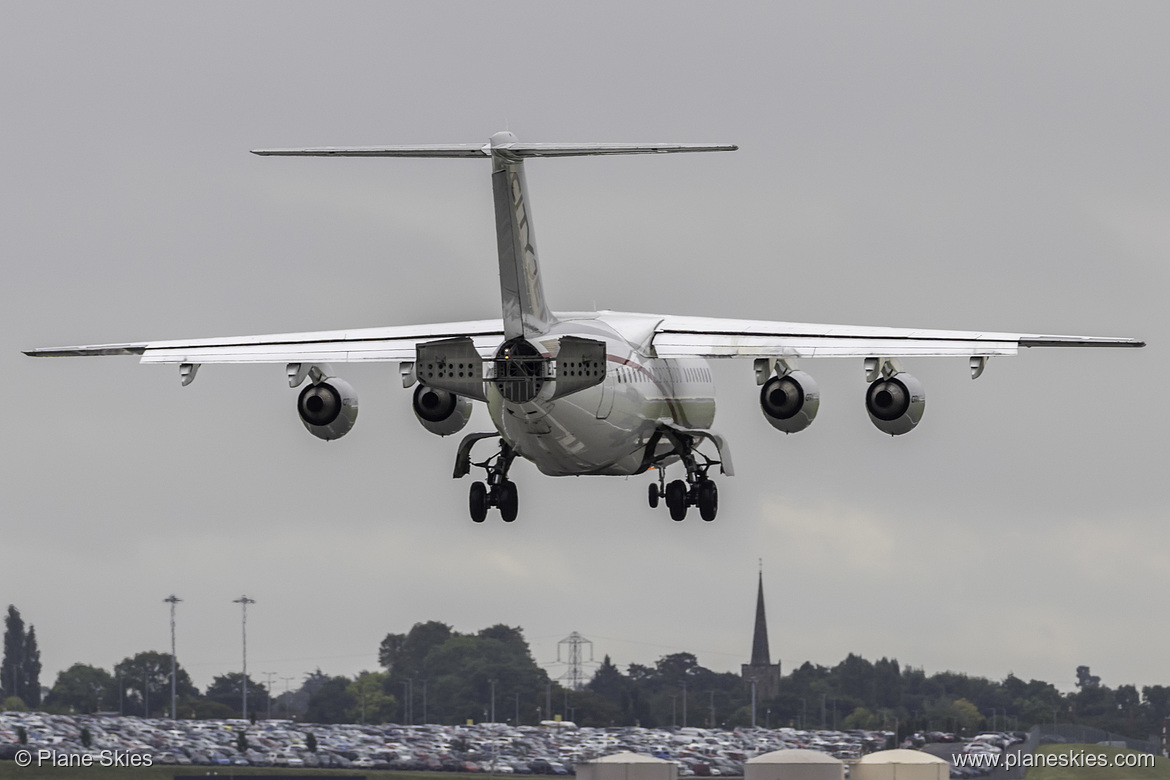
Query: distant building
x,y
761,670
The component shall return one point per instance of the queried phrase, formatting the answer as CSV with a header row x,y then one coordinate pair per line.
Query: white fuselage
x,y
605,429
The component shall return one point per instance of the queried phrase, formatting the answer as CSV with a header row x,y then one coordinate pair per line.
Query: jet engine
x,y
440,412
790,402
895,403
328,408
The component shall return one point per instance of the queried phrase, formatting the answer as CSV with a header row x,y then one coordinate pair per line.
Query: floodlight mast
x,y
172,600
244,601
268,684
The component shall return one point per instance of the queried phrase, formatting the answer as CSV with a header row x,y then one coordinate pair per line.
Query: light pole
x,y
493,701
268,686
753,703
287,697
424,702
172,600
244,601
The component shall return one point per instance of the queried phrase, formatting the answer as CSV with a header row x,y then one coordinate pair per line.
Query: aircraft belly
x,y
566,437
605,429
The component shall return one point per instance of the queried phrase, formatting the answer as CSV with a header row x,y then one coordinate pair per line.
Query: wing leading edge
x,y
709,337
339,346
673,337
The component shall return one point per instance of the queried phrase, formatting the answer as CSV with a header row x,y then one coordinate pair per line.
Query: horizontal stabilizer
x,y
511,150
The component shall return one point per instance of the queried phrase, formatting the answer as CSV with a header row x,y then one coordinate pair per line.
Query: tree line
x,y
435,674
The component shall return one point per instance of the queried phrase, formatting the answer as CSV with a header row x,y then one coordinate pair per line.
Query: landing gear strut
x,y
499,491
698,490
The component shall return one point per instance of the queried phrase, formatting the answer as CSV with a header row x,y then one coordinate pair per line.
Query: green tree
x,y
31,670
242,741
86,737
20,671
310,742
462,670
14,704
862,718
226,690
593,709
83,689
296,702
609,683
967,714
372,703
675,668
459,670
202,709
332,702
145,680
403,654
1157,698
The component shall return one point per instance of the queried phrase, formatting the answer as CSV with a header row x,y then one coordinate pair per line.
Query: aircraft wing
x,y
710,337
337,346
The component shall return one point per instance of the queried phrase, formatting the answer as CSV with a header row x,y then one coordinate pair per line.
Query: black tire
x,y
708,500
477,502
676,500
509,500
653,496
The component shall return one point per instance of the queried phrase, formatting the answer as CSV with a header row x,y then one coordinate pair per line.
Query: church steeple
x,y
760,655
761,674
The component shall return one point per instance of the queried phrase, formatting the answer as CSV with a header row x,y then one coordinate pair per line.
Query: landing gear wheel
x,y
477,502
676,500
708,500
508,500
653,496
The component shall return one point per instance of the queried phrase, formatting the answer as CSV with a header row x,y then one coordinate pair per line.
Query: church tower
x,y
761,670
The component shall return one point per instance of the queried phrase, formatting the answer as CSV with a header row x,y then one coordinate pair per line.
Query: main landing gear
x,y
679,496
698,490
499,491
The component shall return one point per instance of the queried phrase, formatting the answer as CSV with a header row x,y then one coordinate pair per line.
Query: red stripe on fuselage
x,y
676,410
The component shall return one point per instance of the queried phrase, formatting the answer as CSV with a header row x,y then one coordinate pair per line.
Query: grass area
x,y
1160,770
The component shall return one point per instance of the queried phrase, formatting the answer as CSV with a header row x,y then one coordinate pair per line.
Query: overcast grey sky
x,y
998,166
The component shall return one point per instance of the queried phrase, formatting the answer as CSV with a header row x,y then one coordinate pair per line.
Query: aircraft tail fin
x,y
522,294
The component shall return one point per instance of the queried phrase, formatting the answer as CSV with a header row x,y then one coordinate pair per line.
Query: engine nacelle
x,y
328,409
895,404
790,402
440,412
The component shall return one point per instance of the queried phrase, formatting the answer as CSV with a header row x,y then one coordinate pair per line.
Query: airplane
x,y
603,392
